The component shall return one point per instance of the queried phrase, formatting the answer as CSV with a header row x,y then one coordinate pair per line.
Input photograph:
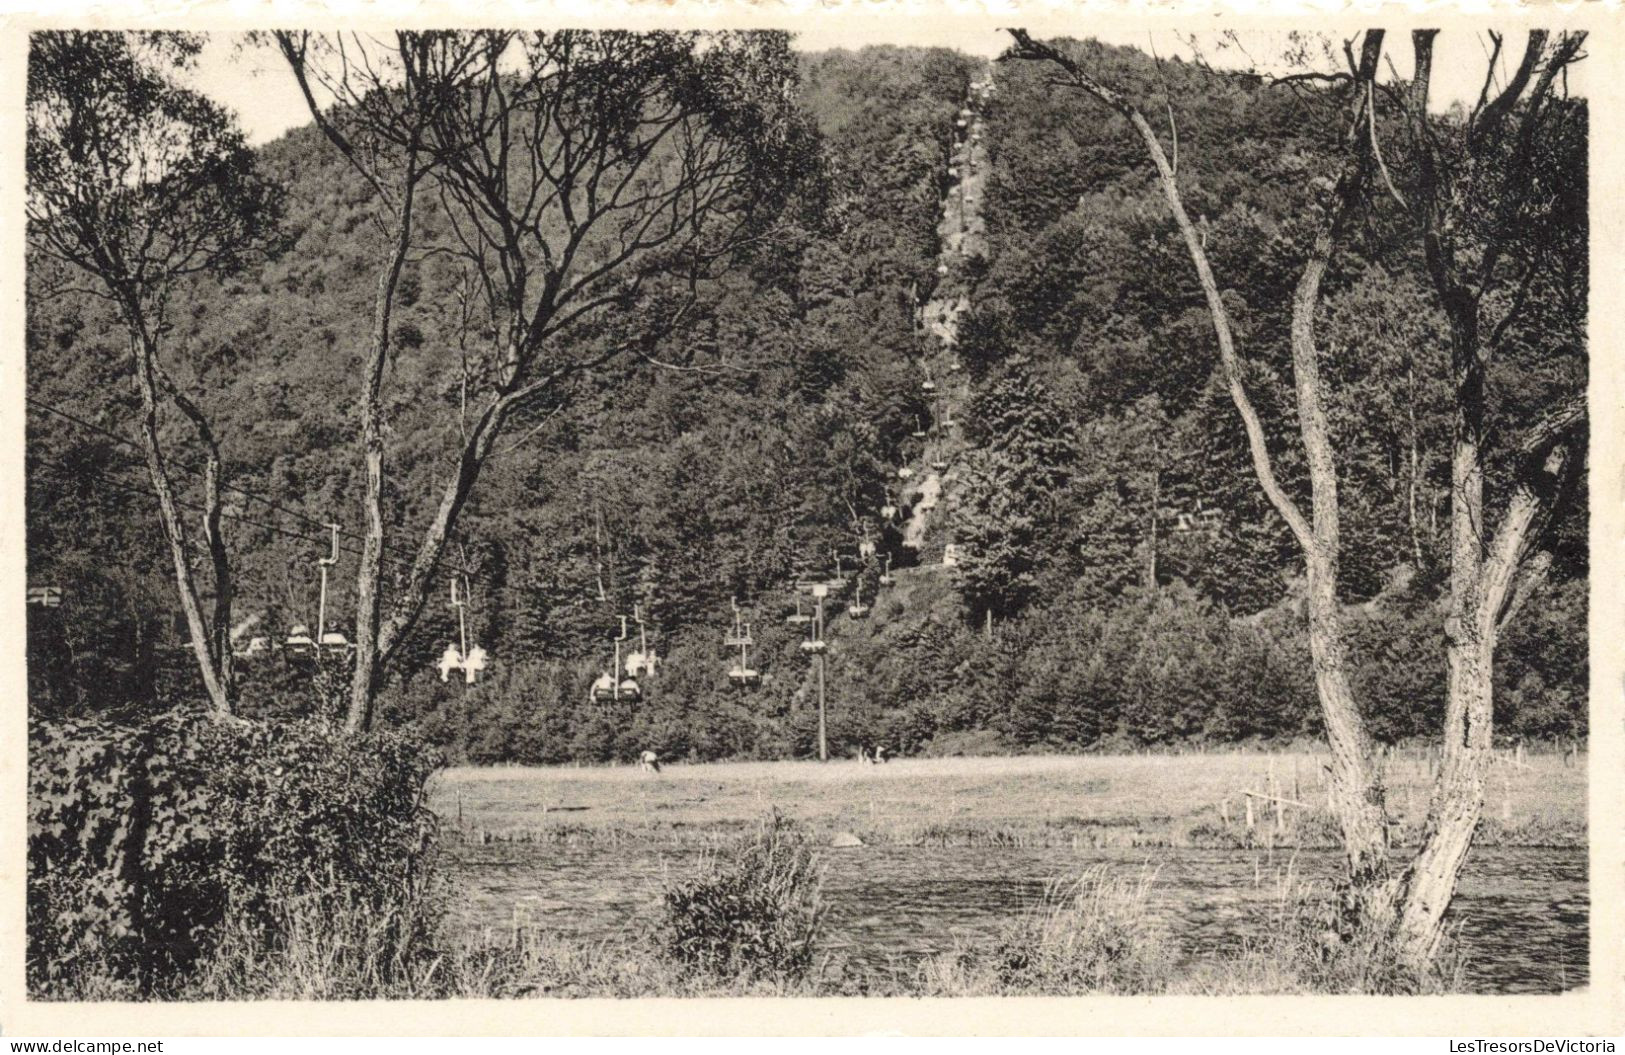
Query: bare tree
x,y
1487,232
141,184
1408,901
592,182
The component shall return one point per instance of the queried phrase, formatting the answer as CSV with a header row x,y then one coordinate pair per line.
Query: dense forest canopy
x,y
1125,581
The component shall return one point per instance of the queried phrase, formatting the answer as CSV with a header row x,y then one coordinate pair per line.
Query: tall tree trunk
x,y
414,593
368,595
1356,794
1488,581
205,644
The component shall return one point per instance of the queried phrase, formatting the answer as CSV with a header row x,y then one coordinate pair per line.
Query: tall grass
x,y
1307,947
1094,934
746,921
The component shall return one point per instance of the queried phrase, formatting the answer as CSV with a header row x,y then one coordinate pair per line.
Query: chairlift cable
x,y
398,562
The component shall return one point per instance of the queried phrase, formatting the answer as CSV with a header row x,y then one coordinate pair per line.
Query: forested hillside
x,y
1123,580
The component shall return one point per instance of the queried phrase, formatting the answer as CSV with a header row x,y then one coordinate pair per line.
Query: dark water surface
x,y
1522,913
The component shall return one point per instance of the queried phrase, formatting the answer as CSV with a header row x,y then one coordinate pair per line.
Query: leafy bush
x,y
755,911
145,839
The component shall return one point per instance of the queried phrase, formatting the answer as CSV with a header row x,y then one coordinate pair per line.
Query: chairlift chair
x,y
610,686
475,664
800,618
813,646
942,269
928,386
299,644
888,511
644,661
885,574
450,660
905,473
857,609
458,655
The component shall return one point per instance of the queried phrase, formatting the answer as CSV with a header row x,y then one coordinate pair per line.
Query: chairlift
x,y
741,673
299,645
885,574
799,618
939,466
644,661
603,689
942,269
963,123
610,686
857,609
458,655
740,636
905,473
325,563
928,386
866,549
888,511
302,646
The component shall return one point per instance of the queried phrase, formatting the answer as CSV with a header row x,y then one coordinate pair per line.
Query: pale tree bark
x,y
395,164
1489,571
1356,794
210,640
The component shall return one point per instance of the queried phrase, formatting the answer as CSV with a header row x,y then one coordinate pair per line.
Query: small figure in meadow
x,y
880,754
650,761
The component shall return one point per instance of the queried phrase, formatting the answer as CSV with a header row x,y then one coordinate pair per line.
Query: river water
x,y
1521,913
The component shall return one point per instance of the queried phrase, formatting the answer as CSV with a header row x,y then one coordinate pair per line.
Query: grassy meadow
x,y
1051,800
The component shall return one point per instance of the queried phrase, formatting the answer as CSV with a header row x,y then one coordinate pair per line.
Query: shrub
x,y
145,839
755,910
